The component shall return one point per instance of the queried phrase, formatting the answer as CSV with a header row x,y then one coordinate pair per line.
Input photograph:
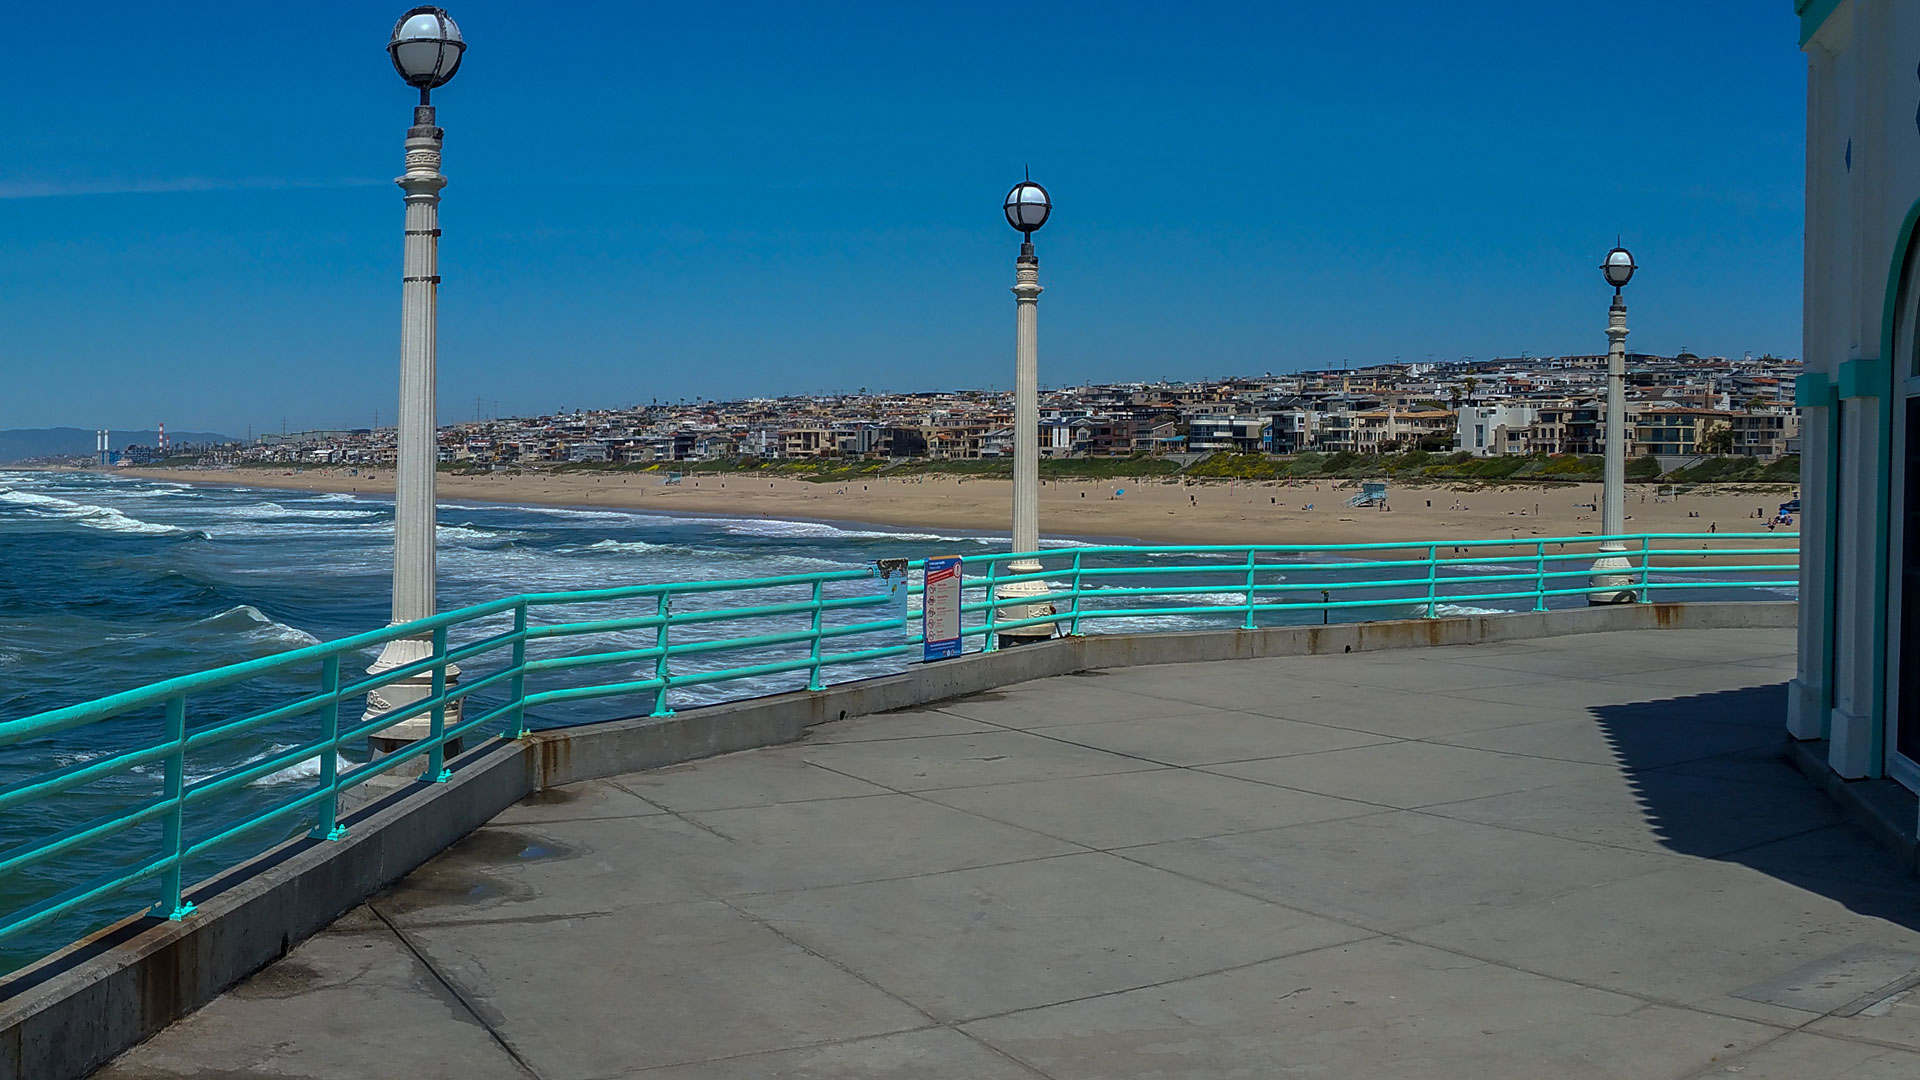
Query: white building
x,y
1499,429
1860,395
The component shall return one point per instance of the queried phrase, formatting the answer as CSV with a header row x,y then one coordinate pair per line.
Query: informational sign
x,y
940,608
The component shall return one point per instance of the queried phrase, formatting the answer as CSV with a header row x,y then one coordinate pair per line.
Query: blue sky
x,y
198,222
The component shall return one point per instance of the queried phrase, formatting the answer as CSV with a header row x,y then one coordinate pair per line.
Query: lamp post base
x,y
1612,580
401,693
1016,611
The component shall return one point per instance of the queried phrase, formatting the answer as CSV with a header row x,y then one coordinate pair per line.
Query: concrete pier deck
x,y
1572,857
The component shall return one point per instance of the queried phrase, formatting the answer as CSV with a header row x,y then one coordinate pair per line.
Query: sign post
x,y
940,609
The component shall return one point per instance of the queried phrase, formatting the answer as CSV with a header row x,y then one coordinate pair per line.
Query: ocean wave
x,y
303,530
816,530
111,520
273,510
250,623
471,531
592,515
624,547
33,498
104,518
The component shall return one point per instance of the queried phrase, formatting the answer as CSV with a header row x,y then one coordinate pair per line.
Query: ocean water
x,y
108,583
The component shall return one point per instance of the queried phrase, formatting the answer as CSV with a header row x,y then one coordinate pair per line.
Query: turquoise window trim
x,y
1863,377
1811,390
1813,14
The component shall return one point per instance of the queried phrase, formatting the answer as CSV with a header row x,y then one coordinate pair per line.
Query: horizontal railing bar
x,y
60,903
24,855
685,618
652,652
626,592
484,645
84,772
286,809
203,736
254,770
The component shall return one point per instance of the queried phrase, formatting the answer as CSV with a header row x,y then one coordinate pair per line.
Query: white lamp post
x,y
426,48
1027,208
1611,581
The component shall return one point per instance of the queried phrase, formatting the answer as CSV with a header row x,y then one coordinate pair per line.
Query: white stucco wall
x,y
1863,177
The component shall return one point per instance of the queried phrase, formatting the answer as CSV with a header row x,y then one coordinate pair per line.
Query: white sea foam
x,y
300,770
1458,610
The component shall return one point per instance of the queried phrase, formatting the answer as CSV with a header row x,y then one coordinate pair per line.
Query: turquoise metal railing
x,y
680,620
490,666
1244,582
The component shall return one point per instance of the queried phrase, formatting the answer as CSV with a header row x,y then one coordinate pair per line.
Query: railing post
x,y
1540,579
437,771
1646,560
172,839
813,681
517,686
1073,622
660,672
1250,572
329,827
993,602
1433,580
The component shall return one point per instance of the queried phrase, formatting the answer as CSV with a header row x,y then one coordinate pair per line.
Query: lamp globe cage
x,y
1027,207
1619,267
426,47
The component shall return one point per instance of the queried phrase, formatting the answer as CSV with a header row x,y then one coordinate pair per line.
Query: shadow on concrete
x,y
1711,775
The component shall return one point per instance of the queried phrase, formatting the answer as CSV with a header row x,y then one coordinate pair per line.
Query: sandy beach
x,y
1154,510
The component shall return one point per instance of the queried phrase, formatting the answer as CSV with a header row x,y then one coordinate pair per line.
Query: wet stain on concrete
x,y
284,979
466,874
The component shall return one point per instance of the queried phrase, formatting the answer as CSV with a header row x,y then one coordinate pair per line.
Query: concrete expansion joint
x,y
453,990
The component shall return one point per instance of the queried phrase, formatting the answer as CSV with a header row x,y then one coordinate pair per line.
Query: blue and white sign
x,y
940,609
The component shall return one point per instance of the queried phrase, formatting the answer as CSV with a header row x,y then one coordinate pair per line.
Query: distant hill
x,y
20,444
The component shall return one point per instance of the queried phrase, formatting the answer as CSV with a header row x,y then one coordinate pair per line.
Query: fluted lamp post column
x,y
1027,207
426,48
1612,579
